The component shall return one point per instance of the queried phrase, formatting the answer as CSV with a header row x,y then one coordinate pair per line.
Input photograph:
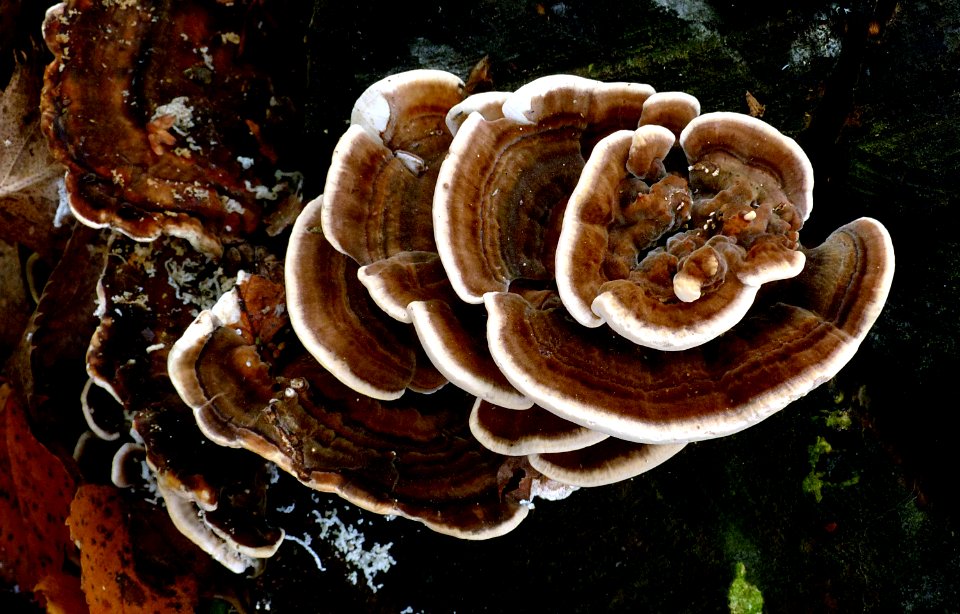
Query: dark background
x,y
871,90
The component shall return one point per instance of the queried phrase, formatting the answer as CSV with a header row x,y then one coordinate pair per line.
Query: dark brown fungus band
x,y
503,186
798,335
190,110
412,457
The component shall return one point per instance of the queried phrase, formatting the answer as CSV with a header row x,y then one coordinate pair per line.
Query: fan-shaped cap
x,y
797,336
340,326
190,151
503,186
412,457
610,461
379,187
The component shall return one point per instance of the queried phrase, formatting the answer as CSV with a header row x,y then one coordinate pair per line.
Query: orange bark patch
x,y
62,594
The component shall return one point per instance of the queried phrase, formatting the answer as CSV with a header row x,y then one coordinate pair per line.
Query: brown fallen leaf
x,y
29,176
35,493
99,524
15,306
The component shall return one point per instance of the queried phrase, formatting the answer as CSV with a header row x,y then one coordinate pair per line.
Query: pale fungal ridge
x,y
677,337
487,104
525,105
374,108
383,297
190,522
532,431
617,466
671,110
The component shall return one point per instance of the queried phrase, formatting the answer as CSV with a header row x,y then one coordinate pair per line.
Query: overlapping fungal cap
x,y
625,256
503,187
147,295
557,208
379,187
339,324
190,98
530,431
798,334
412,457
610,461
215,496
376,210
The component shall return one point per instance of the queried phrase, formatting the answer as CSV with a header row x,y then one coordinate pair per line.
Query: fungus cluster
x,y
508,294
170,121
191,98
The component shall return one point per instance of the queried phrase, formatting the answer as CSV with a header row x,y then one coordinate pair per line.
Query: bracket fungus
x,y
376,210
582,184
379,187
146,297
504,184
412,457
340,326
797,336
506,294
192,147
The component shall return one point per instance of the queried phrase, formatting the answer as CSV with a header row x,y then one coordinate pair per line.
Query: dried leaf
x,y
35,494
29,175
99,523
48,366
